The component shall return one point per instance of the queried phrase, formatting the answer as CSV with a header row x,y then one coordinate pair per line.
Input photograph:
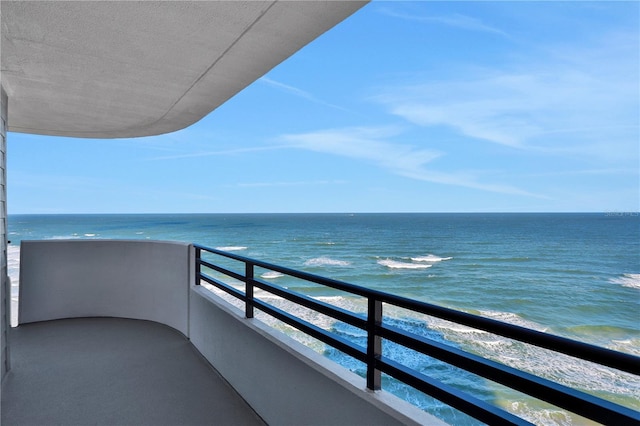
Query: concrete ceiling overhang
x,y
115,69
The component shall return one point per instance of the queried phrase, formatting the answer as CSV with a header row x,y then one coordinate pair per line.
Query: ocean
x,y
573,275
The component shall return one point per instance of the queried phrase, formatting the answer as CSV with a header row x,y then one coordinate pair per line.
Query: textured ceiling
x,y
108,69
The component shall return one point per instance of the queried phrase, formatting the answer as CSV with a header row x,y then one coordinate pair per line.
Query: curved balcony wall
x,y
147,280
283,381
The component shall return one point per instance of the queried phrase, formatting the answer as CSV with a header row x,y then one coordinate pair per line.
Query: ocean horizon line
x,y
606,213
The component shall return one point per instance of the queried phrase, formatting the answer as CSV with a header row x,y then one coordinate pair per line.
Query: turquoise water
x,y
575,275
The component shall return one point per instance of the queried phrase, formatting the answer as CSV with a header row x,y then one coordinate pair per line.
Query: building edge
x,y
4,279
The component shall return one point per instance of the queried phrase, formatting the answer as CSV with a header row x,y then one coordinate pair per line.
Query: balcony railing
x,y
573,400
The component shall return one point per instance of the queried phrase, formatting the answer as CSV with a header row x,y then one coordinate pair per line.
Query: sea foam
x,y
270,275
231,248
394,264
513,318
326,261
73,236
627,280
564,369
430,258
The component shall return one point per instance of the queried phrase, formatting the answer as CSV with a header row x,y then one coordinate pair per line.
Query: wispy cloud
x,y
290,183
375,145
510,109
59,183
220,152
300,93
455,20
588,172
364,143
590,97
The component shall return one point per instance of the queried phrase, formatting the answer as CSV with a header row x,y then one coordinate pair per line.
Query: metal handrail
x,y
578,402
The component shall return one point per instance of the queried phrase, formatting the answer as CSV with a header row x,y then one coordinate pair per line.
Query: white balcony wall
x,y
285,382
146,280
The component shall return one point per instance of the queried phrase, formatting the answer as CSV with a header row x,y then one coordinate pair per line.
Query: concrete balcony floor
x,y
109,371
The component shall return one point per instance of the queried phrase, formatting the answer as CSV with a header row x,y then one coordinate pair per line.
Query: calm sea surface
x,y
574,275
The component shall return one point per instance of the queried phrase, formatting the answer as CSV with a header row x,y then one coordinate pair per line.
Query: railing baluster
x,y
374,343
198,265
248,306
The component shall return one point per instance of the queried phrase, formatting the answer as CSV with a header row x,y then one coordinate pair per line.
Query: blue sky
x,y
404,107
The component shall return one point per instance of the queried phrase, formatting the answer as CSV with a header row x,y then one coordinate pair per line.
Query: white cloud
x,y
512,109
455,20
588,94
300,93
364,143
288,183
220,152
59,183
588,172
374,145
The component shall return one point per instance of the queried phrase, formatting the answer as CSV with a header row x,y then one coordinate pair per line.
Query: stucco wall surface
x,y
146,280
285,382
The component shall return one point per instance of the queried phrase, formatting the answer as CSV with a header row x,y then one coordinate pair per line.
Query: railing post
x,y
248,290
198,265
374,343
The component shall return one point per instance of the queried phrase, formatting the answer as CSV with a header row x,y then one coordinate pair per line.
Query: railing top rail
x,y
374,324
619,360
339,285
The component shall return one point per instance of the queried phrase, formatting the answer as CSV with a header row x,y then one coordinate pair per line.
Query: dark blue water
x,y
576,275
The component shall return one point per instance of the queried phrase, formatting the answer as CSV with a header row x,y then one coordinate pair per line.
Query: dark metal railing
x,y
573,400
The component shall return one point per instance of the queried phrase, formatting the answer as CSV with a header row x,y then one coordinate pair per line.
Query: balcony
x,y
125,332
114,371
117,332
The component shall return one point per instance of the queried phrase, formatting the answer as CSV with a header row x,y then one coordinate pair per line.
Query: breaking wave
x,y
593,378
627,280
231,248
271,275
430,258
326,261
394,264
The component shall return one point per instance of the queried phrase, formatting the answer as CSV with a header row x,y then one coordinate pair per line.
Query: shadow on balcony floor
x,y
109,371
